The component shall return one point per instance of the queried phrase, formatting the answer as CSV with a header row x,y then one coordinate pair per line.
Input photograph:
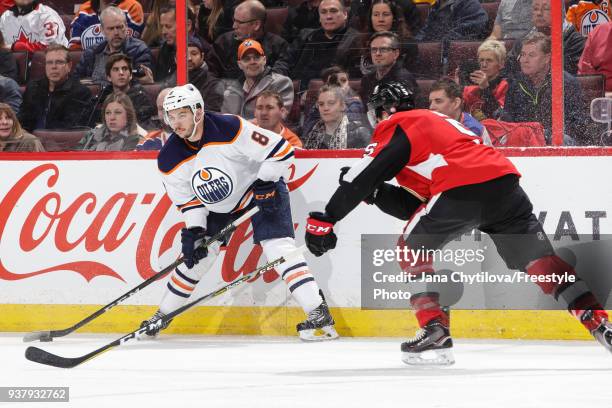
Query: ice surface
x,y
193,371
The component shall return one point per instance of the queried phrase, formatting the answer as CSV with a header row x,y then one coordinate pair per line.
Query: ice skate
x,y
432,345
603,331
152,333
318,326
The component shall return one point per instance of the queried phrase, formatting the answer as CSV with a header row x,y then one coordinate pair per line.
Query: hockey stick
x,y
44,357
48,335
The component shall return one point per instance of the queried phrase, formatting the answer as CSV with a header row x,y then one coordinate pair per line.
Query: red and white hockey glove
x,y
320,236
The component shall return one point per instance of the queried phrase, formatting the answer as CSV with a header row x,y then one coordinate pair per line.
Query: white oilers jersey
x,y
216,173
35,30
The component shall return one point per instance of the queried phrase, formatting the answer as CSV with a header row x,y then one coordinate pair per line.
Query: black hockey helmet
x,y
395,94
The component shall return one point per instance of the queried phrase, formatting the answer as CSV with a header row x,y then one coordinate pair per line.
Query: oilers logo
x,y
591,20
211,185
92,36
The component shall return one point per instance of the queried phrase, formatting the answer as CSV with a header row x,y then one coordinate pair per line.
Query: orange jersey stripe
x,y
285,151
295,276
182,285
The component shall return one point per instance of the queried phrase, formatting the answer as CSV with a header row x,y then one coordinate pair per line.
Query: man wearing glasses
x,y
385,52
249,20
56,101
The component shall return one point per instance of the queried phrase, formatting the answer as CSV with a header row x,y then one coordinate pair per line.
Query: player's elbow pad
x,y
396,201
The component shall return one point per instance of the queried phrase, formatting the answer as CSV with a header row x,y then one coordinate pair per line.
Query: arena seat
x,y
152,91
60,140
430,60
593,86
275,19
491,9
21,57
155,54
422,98
460,51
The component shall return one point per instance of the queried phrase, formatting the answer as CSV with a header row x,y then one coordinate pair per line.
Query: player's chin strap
x,y
195,124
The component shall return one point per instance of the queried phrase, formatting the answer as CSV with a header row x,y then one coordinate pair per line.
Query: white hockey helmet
x,y
183,96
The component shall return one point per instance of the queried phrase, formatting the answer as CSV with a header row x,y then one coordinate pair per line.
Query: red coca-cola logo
x,y
56,219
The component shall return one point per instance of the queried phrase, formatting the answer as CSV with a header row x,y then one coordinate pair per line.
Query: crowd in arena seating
x,y
98,71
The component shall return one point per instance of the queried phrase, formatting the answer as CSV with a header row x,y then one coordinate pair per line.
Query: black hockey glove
x,y
265,196
370,199
320,236
190,240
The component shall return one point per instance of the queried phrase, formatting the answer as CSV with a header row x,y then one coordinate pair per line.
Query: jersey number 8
x,y
259,138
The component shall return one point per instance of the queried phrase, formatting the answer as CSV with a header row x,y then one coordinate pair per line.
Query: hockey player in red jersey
x,y
449,184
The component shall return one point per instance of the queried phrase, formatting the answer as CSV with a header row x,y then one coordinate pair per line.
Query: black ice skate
x,y
153,332
432,345
318,326
603,334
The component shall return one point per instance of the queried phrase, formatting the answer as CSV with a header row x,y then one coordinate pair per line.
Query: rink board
x,y
76,233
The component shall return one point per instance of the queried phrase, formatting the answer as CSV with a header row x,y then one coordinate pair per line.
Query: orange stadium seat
x,y
60,140
275,19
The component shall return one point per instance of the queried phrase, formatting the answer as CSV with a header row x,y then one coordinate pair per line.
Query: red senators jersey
x,y
586,15
443,152
427,152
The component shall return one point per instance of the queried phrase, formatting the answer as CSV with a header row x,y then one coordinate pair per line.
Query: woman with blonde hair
x,y
211,20
486,99
12,136
119,129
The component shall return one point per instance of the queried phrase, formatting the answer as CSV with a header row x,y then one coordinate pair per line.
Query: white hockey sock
x,y
295,273
183,281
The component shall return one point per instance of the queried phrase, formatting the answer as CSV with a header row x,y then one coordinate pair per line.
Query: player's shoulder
x,y
173,154
222,128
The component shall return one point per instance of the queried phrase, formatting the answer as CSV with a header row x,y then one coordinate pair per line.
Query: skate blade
x,y
323,334
443,357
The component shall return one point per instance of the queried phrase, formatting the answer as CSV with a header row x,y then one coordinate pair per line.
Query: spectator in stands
x,y
240,96
334,130
385,52
119,130
8,64
513,19
314,50
454,20
354,107
56,101
9,93
215,18
299,17
119,75
573,42
32,26
486,98
408,21
529,97
385,16
209,85
269,114
152,31
154,140
446,97
92,65
12,136
597,55
86,30
585,16
165,65
249,19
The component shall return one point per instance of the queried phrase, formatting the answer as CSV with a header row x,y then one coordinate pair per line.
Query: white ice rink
x,y
180,371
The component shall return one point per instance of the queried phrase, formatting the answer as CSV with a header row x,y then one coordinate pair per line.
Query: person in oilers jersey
x,y
214,168
449,184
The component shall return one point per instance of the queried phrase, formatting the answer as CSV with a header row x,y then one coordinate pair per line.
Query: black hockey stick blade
x,y
48,335
41,356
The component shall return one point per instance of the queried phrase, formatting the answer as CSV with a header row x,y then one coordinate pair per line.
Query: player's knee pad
x,y
295,271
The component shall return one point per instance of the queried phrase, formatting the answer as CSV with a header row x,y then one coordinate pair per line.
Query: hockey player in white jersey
x,y
31,26
214,168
